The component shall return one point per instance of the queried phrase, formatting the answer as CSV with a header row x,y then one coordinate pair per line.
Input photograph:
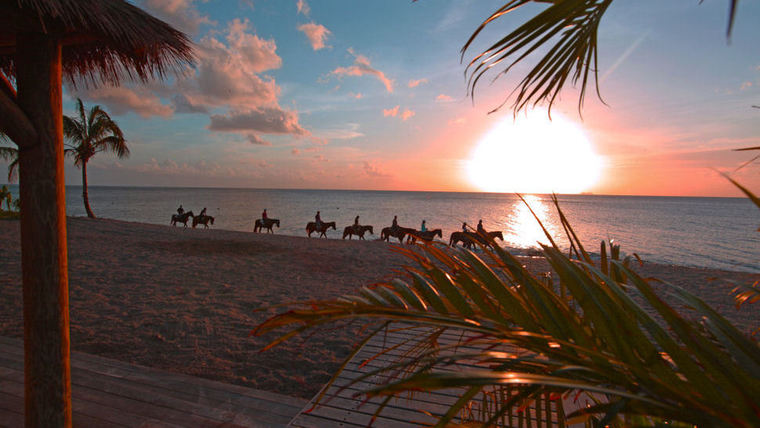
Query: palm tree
x,y
5,195
89,135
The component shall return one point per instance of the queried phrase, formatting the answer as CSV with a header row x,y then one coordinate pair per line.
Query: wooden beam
x,y
44,258
13,121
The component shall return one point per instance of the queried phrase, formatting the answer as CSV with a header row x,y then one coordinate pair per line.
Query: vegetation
x,y
568,28
88,135
586,332
7,198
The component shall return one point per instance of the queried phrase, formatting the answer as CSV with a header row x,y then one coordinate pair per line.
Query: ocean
x,y
718,233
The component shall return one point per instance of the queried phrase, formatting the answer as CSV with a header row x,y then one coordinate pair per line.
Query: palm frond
x,y
598,338
10,154
565,38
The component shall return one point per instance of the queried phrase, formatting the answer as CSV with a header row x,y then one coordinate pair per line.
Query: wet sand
x,y
184,300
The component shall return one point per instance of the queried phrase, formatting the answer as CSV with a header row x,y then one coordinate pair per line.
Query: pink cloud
x,y
266,120
316,33
303,7
458,121
418,82
443,98
391,112
256,140
180,13
745,85
363,67
295,152
121,100
407,114
373,170
358,96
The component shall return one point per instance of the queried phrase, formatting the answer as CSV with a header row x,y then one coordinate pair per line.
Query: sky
x,y
340,94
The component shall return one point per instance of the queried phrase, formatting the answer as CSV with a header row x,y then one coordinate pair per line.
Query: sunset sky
x,y
371,95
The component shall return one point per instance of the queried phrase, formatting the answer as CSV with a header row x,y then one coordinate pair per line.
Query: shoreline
x,y
184,300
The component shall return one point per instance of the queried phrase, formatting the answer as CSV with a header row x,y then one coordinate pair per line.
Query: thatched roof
x,y
103,40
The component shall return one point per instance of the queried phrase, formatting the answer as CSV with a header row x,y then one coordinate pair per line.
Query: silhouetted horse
x,y
265,224
488,239
202,219
427,235
400,233
464,237
357,230
181,218
311,227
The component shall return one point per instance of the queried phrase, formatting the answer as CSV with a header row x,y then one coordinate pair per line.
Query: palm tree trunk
x,y
44,262
86,199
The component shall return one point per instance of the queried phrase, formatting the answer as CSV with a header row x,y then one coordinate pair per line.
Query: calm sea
x,y
710,232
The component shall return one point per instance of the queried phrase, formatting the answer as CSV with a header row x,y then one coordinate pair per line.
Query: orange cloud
x,y
363,67
316,33
391,112
418,82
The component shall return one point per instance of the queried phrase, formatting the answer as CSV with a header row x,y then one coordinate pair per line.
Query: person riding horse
x,y
318,221
203,212
394,224
264,216
180,210
423,227
481,229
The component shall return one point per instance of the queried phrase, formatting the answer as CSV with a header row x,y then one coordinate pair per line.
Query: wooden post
x,y
47,377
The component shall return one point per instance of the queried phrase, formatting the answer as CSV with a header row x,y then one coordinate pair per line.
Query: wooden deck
x,y
342,407
110,393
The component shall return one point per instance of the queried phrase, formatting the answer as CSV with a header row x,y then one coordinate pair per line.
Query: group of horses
x,y
186,216
467,239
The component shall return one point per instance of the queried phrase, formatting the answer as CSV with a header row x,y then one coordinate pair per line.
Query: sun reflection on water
x,y
523,231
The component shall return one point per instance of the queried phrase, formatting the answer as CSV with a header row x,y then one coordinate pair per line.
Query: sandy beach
x,y
184,300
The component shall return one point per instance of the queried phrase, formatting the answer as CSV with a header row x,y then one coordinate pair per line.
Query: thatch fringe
x,y
104,40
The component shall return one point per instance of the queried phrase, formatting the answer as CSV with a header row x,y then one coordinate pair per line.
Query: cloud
x,y
255,139
266,120
745,85
373,170
321,158
122,100
363,67
443,98
316,33
229,74
358,96
418,82
407,114
303,7
182,105
263,164
295,152
180,13
458,121
351,130
391,112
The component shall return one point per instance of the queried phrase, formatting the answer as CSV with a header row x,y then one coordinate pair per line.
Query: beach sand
x,y
184,300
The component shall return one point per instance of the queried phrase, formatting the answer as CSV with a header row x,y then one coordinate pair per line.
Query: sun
x,y
533,154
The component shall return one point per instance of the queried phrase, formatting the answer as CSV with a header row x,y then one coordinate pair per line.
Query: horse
x,y
359,231
202,219
400,233
267,223
427,235
181,218
488,239
464,237
311,227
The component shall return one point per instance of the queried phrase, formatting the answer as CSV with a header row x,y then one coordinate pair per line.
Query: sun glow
x,y
533,154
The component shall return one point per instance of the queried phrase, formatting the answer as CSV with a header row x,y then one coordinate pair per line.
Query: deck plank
x,y
108,392
344,405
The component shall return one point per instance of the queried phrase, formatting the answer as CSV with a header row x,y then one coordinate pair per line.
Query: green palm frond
x,y
565,38
92,133
648,361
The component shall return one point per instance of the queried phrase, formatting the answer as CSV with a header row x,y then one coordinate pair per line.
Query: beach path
x,y
107,392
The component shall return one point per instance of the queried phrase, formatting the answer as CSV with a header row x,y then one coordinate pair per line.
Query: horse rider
x,y
464,227
180,210
423,228
394,225
356,224
264,216
481,229
318,221
203,212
